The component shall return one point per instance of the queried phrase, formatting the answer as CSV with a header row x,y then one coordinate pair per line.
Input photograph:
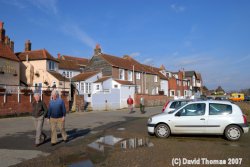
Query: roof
x,y
85,75
42,54
102,79
199,76
122,82
58,76
189,73
79,60
69,65
155,71
7,53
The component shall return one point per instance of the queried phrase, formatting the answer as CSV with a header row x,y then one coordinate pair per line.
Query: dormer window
x,y
51,66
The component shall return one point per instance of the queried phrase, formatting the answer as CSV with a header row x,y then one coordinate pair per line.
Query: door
x,y
190,119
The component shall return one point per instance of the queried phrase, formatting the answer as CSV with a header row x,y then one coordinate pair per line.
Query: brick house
x,y
39,68
70,66
9,63
145,78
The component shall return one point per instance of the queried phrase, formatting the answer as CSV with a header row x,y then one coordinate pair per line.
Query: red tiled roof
x,y
7,53
85,75
58,76
122,82
42,54
102,79
80,61
69,65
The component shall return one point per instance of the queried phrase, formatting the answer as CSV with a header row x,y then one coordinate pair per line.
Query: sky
x,y
208,36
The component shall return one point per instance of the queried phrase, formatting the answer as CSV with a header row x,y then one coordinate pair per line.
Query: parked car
x,y
247,98
174,104
201,117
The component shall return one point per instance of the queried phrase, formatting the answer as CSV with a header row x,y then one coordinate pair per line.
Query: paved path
x,y
17,134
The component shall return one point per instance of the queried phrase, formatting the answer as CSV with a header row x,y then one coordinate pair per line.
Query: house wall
x,y
12,107
9,68
151,85
164,87
126,91
151,100
97,63
74,73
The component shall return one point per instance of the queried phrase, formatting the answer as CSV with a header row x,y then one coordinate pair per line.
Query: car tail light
x,y
245,119
164,107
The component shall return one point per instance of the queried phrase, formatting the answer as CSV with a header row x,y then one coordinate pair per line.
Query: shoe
x,y
66,141
53,144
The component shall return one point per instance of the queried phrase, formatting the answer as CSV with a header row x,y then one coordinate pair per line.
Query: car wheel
x,y
162,131
233,133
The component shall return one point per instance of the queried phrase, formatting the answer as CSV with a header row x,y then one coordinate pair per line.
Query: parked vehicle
x,y
201,117
174,104
237,97
247,98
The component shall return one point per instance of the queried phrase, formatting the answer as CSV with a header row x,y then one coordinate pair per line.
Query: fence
x,y
16,100
151,100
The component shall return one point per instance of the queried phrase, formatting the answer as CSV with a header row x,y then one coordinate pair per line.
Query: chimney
x,y
27,46
58,55
97,49
2,32
12,45
127,57
7,41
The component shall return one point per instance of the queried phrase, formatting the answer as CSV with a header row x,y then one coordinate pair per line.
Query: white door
x,y
190,119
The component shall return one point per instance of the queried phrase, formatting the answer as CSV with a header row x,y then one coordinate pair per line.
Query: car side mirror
x,y
178,114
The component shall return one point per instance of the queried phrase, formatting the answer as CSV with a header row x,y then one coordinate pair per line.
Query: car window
x,y
196,109
173,104
219,109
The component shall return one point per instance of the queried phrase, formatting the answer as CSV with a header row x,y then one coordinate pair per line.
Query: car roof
x,y
212,101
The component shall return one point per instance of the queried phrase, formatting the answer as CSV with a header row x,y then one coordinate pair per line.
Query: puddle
x,y
109,140
86,163
121,129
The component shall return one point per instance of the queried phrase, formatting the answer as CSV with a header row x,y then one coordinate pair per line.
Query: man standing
x,y
39,112
130,103
142,105
56,116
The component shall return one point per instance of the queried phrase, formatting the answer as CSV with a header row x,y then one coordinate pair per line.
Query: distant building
x,y
9,63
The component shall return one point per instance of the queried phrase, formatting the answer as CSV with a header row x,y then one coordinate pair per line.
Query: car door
x,y
218,118
190,119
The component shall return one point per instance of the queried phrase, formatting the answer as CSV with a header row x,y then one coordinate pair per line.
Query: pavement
x,y
17,134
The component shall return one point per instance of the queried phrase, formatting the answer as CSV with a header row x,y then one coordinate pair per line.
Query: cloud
x,y
148,61
178,8
134,54
46,6
78,33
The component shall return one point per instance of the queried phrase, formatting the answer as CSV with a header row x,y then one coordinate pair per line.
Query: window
x,y
82,86
51,66
71,74
115,86
157,90
196,109
138,89
138,75
121,74
177,82
130,76
178,93
172,93
219,109
67,74
155,78
98,87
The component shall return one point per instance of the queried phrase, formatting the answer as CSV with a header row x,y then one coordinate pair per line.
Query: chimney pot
x,y
27,46
97,49
58,55
1,25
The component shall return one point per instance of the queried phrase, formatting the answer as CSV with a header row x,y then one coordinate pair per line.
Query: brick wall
x,y
151,100
12,107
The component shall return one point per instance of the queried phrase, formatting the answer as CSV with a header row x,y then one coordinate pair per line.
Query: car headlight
x,y
150,120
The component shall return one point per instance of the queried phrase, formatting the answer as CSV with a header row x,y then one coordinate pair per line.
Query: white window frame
x,y
51,66
138,75
130,75
155,78
121,74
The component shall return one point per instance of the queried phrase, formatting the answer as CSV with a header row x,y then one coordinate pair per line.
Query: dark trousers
x,y
142,108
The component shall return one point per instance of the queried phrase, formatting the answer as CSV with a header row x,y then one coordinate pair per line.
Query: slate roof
x,y
102,79
69,65
189,73
41,54
7,53
85,75
122,82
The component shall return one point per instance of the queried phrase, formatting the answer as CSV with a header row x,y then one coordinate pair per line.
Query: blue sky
x,y
209,36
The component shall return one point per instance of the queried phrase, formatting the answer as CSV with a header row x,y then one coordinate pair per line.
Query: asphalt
x,y
17,134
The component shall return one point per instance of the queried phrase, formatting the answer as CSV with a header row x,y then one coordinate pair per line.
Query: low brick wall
x,y
151,100
12,107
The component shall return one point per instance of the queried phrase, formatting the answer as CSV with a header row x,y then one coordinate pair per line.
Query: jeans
x,y
54,124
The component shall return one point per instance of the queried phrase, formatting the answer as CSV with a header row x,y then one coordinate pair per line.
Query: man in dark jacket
x,y
56,116
39,113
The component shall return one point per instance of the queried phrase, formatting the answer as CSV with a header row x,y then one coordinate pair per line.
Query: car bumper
x,y
151,128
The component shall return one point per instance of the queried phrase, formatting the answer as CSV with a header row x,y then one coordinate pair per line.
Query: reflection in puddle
x,y
86,163
121,129
108,141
